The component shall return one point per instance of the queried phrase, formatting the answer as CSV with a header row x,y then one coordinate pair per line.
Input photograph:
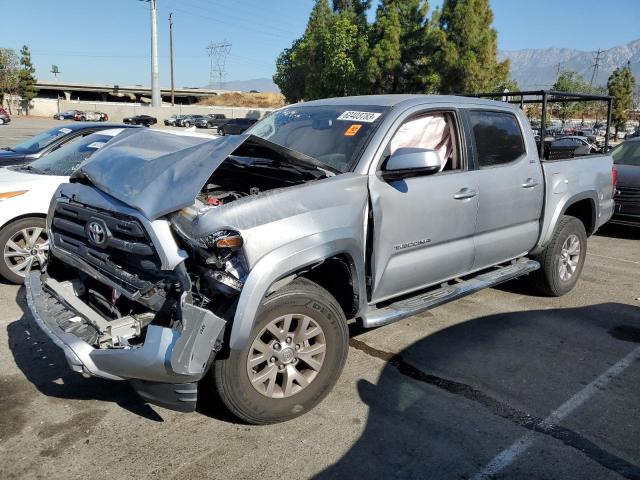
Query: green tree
x,y
399,47
8,73
290,73
26,87
570,81
466,57
327,60
621,85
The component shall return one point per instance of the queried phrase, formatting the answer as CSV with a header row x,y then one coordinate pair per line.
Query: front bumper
x,y
165,368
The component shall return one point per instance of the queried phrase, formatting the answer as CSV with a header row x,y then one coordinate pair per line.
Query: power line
x,y
218,53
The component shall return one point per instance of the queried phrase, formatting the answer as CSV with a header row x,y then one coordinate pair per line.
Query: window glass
x,y
627,153
433,131
498,137
68,158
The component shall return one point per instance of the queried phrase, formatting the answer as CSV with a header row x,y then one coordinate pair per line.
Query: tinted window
x,y
42,140
498,137
66,159
627,153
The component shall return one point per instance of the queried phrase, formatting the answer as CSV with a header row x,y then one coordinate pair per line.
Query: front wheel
x,y
187,124
562,260
24,245
221,131
293,359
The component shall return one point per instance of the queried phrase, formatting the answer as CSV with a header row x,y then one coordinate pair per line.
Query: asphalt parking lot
x,y
501,384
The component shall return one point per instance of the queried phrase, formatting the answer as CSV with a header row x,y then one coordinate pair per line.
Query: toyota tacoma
x,y
236,263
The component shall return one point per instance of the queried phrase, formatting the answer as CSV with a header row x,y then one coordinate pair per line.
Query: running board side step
x,y
407,307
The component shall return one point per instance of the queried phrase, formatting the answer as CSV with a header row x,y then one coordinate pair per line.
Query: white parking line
x,y
509,455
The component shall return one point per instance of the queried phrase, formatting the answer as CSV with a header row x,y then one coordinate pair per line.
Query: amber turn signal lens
x,y
4,196
232,242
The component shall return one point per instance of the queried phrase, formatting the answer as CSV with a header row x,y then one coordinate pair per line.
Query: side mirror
x,y
411,162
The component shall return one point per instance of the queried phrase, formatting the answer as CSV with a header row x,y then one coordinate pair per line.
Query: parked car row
x,y
82,116
216,121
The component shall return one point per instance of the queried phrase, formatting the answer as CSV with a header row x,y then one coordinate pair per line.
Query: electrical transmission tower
x,y
596,65
217,62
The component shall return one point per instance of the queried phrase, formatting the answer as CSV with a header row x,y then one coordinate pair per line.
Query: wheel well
x,y
26,215
336,275
584,211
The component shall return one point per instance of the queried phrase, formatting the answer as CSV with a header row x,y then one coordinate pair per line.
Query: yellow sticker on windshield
x,y
352,130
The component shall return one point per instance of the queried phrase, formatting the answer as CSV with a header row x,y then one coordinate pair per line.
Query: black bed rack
x,y
545,97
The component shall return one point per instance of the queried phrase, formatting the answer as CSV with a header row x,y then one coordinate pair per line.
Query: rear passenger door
x,y
511,187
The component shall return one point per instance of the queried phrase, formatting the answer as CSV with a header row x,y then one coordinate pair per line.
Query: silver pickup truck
x,y
237,262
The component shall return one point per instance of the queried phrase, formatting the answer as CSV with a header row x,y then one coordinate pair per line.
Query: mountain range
x,y
537,68
532,68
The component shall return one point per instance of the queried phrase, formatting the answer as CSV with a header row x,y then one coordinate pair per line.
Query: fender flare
x,y
560,209
287,260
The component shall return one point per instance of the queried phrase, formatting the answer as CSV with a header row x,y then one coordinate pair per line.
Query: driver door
x,y
423,226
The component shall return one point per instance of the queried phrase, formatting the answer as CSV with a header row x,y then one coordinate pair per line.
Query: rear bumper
x,y
626,213
166,366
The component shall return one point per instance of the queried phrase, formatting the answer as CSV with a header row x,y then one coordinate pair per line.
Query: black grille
x,y
123,252
627,194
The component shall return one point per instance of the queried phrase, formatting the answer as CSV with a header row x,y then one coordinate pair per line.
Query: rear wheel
x,y
562,260
221,131
24,245
187,124
296,353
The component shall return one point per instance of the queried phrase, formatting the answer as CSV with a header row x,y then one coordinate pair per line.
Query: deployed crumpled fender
x,y
287,230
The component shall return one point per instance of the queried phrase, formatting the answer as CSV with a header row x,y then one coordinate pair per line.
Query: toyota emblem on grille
x,y
97,233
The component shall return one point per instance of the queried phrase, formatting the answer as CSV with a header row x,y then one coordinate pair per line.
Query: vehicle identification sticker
x,y
65,130
352,130
96,145
354,116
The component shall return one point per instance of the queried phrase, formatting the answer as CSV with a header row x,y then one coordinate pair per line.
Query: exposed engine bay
x,y
119,281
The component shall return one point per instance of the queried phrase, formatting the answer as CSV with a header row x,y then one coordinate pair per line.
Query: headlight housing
x,y
222,240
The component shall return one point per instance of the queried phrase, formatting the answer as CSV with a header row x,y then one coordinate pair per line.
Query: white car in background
x,y
25,194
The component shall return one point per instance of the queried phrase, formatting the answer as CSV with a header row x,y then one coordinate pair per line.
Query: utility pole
x,y
171,56
596,64
156,100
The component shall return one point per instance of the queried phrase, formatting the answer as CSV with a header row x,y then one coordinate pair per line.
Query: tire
x,y
298,301
221,132
14,231
187,124
550,279
1,121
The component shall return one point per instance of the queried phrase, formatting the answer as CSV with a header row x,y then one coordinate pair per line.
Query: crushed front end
x,y
116,297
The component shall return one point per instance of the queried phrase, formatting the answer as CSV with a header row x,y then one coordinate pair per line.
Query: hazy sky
x,y
107,41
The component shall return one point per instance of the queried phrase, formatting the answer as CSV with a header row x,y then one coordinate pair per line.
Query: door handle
x,y
465,193
529,183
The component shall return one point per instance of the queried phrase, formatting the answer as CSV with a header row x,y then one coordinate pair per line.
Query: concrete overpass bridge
x,y
120,93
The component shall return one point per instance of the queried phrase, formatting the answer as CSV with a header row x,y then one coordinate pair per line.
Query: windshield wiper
x,y
33,169
8,149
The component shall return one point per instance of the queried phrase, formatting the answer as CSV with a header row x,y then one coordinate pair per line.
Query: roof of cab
x,y
405,100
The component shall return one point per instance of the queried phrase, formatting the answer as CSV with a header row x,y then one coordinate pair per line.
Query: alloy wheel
x,y
569,257
286,356
25,249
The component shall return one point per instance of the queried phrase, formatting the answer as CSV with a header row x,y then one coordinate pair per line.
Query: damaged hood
x,y
157,172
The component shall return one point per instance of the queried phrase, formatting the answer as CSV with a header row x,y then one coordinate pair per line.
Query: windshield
x,y
68,158
627,153
335,135
40,141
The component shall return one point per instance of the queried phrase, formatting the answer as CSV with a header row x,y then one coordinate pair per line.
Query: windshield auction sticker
x,y
65,130
352,130
353,116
